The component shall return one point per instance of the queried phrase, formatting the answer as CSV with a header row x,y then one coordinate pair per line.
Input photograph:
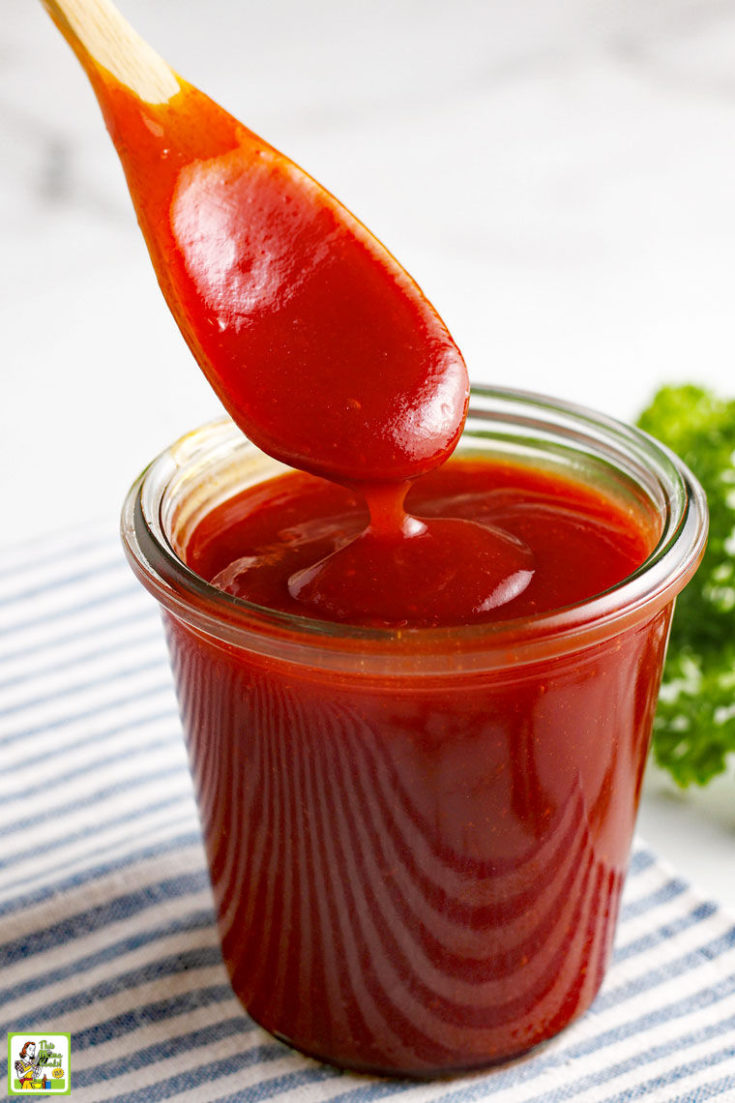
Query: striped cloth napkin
x,y
106,926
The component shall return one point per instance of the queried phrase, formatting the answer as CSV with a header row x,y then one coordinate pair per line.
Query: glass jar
x,y
418,838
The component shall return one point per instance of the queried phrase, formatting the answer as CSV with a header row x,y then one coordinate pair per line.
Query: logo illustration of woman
x,y
26,1067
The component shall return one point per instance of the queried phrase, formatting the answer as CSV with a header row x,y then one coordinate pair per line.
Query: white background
x,y
559,178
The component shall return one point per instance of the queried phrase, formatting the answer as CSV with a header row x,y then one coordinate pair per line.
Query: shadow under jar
x,y
417,838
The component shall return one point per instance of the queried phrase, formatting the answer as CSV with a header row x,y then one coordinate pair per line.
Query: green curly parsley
x,y
694,730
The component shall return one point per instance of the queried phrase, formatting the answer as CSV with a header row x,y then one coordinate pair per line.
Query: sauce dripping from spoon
x,y
322,348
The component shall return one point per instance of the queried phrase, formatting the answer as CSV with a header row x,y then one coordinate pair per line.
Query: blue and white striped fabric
x,y
106,925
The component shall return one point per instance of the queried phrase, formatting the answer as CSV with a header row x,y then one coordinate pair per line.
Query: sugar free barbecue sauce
x,y
413,872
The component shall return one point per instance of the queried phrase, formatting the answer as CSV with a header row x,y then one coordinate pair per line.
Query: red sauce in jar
x,y
419,873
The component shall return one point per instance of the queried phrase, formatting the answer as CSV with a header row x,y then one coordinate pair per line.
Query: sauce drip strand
x,y
321,347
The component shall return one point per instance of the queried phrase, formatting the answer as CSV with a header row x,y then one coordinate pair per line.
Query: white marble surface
x,y
559,178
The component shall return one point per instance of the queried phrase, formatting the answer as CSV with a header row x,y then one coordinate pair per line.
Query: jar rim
x,y
515,641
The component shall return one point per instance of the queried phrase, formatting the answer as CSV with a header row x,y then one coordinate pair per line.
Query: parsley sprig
x,y
694,730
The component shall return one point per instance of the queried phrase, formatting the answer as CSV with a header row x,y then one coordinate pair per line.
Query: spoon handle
x,y
105,43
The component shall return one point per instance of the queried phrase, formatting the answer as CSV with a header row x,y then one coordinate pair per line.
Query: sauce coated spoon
x,y
319,344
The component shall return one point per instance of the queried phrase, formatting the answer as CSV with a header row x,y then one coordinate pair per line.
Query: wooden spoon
x,y
319,344
105,42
